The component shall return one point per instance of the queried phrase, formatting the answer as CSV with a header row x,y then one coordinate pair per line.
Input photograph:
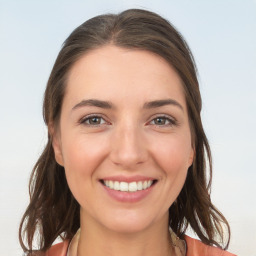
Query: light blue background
x,y
222,36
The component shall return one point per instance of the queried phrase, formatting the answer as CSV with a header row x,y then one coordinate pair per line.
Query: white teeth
x,y
133,186
139,185
125,186
145,184
116,185
111,184
150,183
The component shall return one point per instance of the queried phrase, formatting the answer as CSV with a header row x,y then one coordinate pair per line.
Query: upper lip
x,y
128,179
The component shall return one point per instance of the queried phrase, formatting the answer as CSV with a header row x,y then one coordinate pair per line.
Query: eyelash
x,y
171,121
90,117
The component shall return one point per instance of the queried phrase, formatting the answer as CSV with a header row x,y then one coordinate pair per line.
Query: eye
x,y
93,120
163,121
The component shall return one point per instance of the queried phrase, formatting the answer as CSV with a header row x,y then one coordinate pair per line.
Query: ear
x,y
191,156
56,144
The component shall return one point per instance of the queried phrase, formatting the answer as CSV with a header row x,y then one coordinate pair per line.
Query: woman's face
x,y
124,138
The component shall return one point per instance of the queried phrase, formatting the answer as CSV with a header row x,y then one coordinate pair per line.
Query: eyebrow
x,y
161,103
94,103
109,105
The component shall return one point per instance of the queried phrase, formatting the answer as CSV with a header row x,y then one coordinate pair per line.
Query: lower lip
x,y
128,197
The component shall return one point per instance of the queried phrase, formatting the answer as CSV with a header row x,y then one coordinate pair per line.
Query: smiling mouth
x,y
128,186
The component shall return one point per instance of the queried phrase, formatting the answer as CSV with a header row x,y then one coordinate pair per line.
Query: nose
x,y
128,147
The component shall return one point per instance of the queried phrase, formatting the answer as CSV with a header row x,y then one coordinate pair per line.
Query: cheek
x,y
82,157
171,157
81,153
173,154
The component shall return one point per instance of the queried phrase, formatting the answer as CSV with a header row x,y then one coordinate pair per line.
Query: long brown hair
x,y
53,211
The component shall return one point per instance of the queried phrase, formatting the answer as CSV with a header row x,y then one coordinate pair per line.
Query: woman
x,y
124,169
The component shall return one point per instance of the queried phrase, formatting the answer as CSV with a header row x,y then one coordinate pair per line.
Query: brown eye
x,y
162,121
93,120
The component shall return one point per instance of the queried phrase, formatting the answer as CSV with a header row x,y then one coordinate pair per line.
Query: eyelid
x,y
172,120
85,118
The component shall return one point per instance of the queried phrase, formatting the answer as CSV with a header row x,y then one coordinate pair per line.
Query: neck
x,y
96,240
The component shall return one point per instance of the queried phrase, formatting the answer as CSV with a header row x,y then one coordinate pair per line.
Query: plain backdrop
x,y
222,36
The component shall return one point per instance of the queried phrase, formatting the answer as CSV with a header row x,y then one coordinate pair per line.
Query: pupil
x,y
94,120
160,120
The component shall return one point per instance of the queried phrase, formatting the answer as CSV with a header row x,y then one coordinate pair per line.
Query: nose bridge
x,y
128,148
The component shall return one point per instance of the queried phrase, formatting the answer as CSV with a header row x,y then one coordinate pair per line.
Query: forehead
x,y
116,73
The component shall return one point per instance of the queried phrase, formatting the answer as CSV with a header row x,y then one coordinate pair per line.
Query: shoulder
x,y
59,249
194,248
197,248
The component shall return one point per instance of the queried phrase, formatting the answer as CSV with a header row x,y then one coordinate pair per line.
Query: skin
x,y
126,139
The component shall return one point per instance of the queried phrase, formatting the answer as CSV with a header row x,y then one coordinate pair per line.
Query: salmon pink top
x,y
194,248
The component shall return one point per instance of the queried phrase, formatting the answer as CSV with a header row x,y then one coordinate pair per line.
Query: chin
x,y
127,227
128,223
